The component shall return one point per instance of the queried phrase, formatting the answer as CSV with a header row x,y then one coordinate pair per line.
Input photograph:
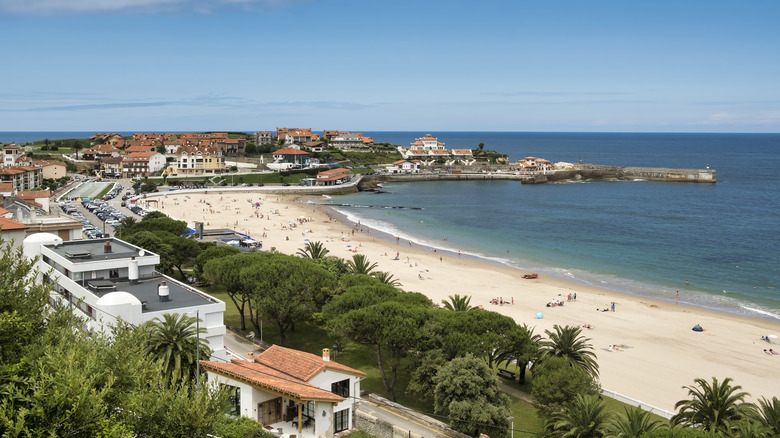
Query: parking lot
x,y
99,217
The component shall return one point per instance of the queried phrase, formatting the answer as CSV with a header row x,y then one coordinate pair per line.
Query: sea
x,y
717,244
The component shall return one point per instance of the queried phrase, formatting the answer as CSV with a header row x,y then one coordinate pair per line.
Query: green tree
x,y
567,342
211,253
287,290
392,329
226,272
76,145
386,278
483,333
584,417
523,349
174,342
360,265
767,415
468,392
125,224
313,250
154,243
458,303
632,423
714,406
557,381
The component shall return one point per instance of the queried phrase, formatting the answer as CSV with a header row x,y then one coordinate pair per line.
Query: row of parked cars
x,y
88,229
117,189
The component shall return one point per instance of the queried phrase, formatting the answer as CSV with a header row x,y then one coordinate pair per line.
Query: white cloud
x,y
720,117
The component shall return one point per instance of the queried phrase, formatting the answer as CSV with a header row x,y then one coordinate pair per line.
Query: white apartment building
x,y
109,279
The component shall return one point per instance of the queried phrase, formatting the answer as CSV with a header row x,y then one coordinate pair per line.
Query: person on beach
x,y
613,306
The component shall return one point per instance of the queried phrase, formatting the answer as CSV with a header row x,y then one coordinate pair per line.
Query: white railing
x,y
634,402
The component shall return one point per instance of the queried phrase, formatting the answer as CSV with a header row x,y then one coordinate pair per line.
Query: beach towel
x,y
538,316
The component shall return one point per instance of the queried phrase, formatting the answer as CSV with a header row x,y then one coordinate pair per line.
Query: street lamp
x,y
512,427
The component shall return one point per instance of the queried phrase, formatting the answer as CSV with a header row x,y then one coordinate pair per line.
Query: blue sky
x,y
365,65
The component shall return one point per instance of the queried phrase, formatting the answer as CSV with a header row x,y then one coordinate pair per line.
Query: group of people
x,y
500,301
555,303
770,351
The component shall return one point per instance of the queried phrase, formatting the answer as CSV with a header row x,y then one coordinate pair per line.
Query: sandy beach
x,y
662,353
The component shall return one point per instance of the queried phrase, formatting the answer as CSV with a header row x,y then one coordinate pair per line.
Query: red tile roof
x,y
8,224
6,187
290,151
32,194
300,364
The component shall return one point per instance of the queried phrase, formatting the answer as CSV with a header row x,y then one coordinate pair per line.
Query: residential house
x,y
464,154
6,189
427,142
264,137
11,153
100,151
36,198
51,169
315,146
193,160
291,391
11,230
290,157
533,164
232,145
333,177
346,141
139,148
33,216
111,167
404,166
142,164
109,279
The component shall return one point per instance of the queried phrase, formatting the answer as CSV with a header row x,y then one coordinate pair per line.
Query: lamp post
x,y
512,427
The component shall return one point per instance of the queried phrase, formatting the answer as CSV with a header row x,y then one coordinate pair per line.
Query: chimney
x,y
326,354
107,247
163,292
132,270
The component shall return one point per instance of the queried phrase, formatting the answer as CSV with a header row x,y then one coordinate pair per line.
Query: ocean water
x,y
639,237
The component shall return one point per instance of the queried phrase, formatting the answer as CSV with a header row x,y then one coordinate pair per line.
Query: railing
x,y
634,402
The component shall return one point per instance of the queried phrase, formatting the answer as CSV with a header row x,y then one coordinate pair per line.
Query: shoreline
x,y
634,288
665,355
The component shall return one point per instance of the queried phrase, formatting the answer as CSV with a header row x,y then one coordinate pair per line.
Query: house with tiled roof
x,y
100,151
6,189
193,160
332,177
51,169
12,230
290,157
139,148
291,391
404,166
142,164
346,141
533,164
427,142
462,153
37,198
11,153
111,167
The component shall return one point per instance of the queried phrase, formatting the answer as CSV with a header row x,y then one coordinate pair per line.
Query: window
x,y
308,410
341,420
233,407
340,388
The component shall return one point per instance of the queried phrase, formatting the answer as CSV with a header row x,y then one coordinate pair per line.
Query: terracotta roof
x,y
3,211
32,194
290,151
6,187
265,377
300,364
336,171
462,152
8,224
138,148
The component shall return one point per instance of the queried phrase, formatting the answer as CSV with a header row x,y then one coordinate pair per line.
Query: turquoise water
x,y
640,237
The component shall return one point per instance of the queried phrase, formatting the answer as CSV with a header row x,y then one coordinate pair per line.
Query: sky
x,y
373,65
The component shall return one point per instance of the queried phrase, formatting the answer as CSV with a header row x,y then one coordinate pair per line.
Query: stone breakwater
x,y
577,172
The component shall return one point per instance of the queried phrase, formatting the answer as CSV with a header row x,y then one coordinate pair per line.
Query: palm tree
x,y
584,417
458,303
767,414
124,225
313,250
360,265
714,407
386,278
567,342
631,424
173,341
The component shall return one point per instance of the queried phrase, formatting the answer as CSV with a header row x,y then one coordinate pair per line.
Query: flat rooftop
x,y
179,295
94,249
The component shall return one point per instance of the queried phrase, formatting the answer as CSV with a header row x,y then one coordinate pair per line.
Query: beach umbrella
x,y
538,316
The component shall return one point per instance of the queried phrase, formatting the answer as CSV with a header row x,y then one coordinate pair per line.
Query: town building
x,y
111,167
291,391
106,280
193,160
290,157
404,166
51,169
22,177
11,153
264,137
346,141
141,164
333,177
100,151
426,142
